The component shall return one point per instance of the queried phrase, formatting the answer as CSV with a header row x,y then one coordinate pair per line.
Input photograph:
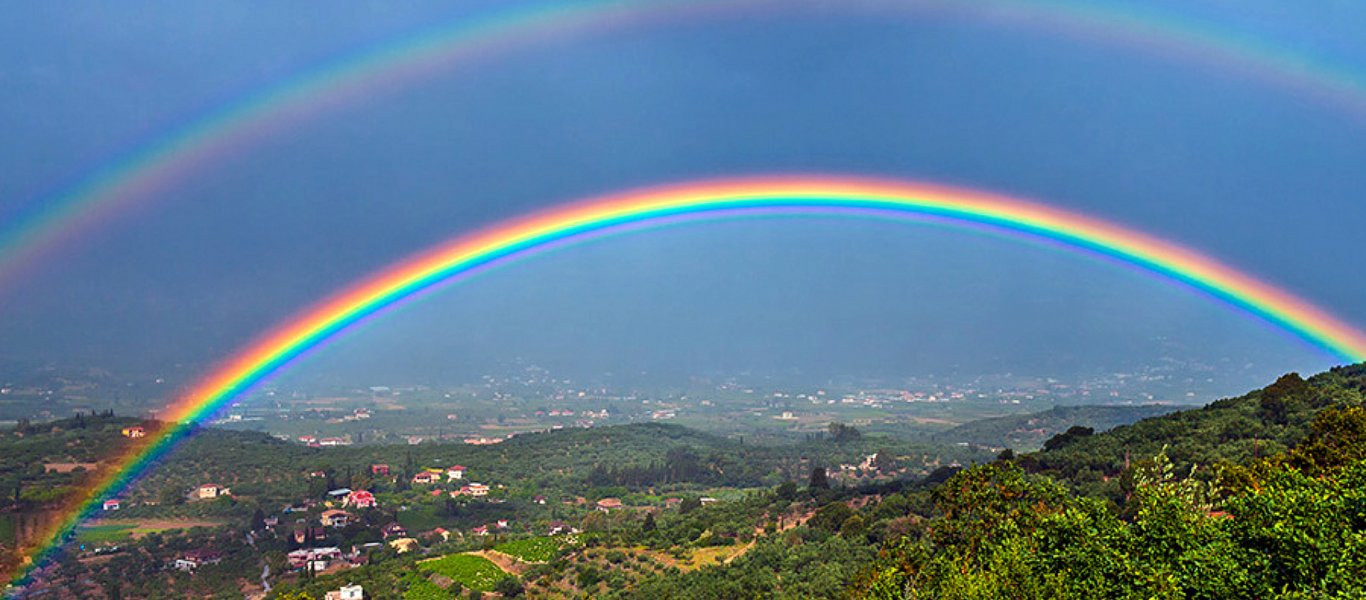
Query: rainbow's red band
x,y
765,195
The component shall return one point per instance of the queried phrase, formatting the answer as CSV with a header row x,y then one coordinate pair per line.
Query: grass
x,y
471,571
419,519
537,549
103,534
421,589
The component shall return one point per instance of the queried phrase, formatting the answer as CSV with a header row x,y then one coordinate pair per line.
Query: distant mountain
x,y
1029,431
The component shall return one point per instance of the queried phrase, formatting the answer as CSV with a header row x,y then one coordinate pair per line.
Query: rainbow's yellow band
x,y
807,194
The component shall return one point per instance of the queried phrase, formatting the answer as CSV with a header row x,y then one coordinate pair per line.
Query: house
x,y
339,493
112,504
672,502
476,489
404,544
456,472
318,474
608,504
705,500
308,439
193,559
311,556
481,530
439,531
133,432
502,523
305,534
333,441
379,470
271,522
558,527
393,530
361,499
424,478
210,491
347,592
538,499
336,518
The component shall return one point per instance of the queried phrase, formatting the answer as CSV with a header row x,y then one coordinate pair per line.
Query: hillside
x,y
1029,431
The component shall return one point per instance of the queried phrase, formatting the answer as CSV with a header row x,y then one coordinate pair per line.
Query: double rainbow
x,y
774,195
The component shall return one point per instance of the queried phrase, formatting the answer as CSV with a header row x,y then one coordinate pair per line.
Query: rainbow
x,y
57,221
775,195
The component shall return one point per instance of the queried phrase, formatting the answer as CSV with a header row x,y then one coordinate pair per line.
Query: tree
x,y
509,587
819,481
649,524
841,433
258,520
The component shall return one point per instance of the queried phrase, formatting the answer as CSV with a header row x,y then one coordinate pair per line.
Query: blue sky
x,y
1263,177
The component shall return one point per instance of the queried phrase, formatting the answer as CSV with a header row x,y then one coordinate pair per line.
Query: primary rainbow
x,y
57,221
801,195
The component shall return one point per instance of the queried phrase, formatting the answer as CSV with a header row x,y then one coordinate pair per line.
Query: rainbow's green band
x,y
807,194
56,222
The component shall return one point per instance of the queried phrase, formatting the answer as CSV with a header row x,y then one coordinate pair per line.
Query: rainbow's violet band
x,y
799,195
55,222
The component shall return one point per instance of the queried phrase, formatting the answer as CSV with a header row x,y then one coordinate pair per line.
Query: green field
x,y
103,534
537,549
421,589
420,518
471,571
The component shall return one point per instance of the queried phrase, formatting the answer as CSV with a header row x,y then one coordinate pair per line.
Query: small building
x,y
608,504
112,504
481,530
538,499
210,491
361,499
393,530
347,592
424,478
476,489
558,527
193,559
336,518
133,432
705,500
379,470
456,472
672,502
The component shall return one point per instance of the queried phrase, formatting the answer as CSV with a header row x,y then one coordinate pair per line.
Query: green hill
x,y
1029,431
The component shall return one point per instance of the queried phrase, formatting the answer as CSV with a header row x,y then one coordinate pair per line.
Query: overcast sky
x,y
1266,177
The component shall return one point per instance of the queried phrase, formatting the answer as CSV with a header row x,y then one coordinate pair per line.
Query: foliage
x,y
472,571
536,549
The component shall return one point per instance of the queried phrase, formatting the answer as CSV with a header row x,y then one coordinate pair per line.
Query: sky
x,y
1261,176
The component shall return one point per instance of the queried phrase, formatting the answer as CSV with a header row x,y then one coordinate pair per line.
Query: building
x,y
193,559
481,530
360,499
456,472
336,518
558,527
347,592
210,491
112,504
502,523
379,470
311,556
393,530
424,478
133,432
538,499
608,504
476,489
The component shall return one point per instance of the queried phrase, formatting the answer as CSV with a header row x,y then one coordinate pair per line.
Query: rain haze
x,y
1263,175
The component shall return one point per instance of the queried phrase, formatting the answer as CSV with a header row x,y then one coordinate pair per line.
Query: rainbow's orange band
x,y
762,195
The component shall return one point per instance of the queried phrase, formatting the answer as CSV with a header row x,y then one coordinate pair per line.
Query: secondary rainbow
x,y
57,221
768,195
